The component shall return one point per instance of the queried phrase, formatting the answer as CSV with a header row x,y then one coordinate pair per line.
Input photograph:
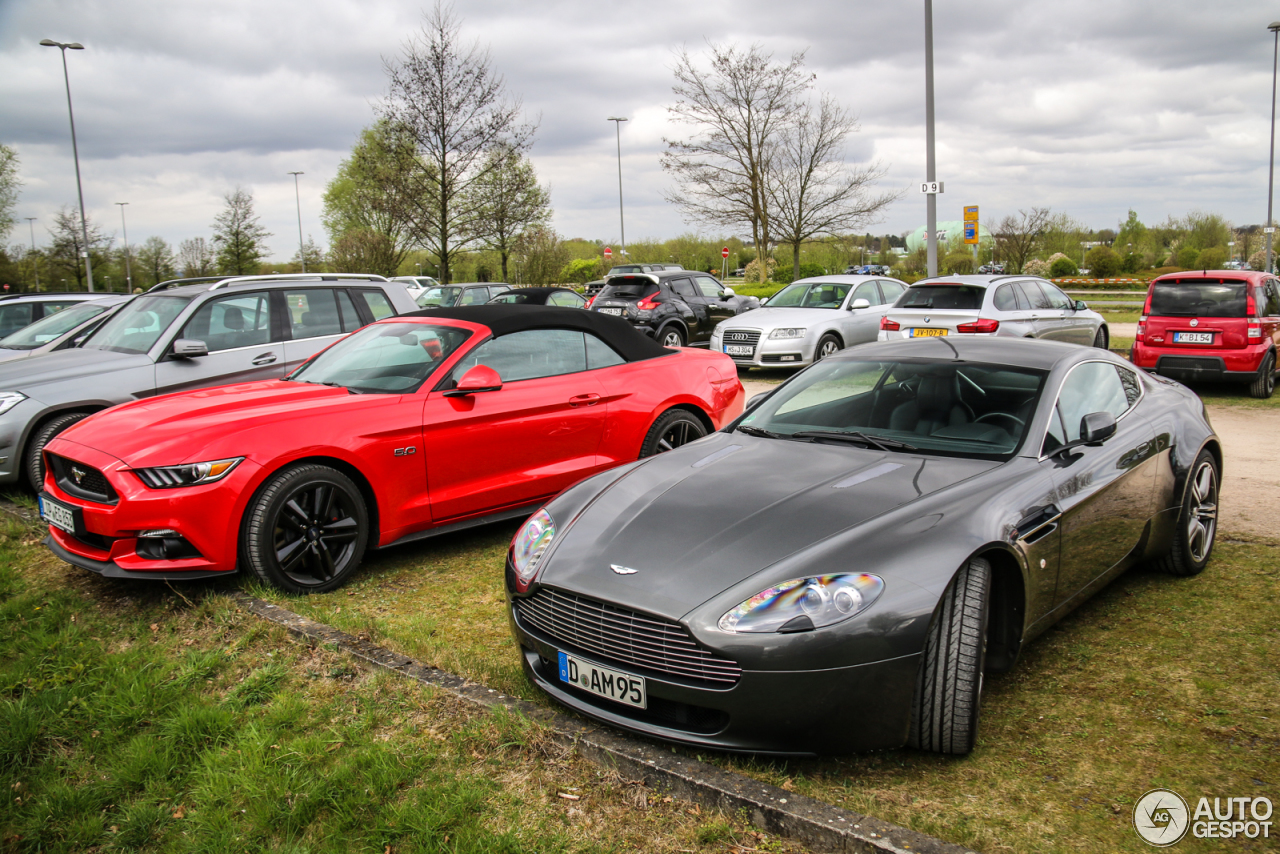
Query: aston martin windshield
x,y
138,326
385,358
952,408
46,329
818,295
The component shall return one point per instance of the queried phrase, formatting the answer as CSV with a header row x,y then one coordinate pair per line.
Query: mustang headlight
x,y
796,332
804,603
10,399
531,543
188,474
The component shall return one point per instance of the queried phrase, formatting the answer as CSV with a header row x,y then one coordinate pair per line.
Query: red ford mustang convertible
x,y
413,426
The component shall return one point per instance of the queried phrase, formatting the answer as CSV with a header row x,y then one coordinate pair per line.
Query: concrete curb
x,y
817,825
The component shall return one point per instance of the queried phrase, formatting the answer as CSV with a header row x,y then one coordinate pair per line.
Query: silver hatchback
x,y
1007,306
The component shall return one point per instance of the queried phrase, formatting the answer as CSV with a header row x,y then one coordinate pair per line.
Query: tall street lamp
x,y
617,128
35,267
128,273
1274,27
84,224
931,171
302,255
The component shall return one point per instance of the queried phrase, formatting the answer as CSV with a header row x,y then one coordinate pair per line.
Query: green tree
x,y
579,271
958,263
508,200
315,257
195,257
362,196
155,261
9,184
239,240
1102,261
363,250
1212,258
541,256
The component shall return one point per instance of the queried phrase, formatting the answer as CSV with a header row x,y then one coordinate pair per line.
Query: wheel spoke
x,y
326,562
291,554
1207,511
296,516
663,445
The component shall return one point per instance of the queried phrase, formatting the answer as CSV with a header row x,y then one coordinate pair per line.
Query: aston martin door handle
x,y
589,399
265,359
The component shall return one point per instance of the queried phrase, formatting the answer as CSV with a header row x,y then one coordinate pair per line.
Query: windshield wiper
x,y
349,389
881,442
758,431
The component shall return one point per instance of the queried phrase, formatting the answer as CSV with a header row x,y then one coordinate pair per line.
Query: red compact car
x,y
1212,325
413,426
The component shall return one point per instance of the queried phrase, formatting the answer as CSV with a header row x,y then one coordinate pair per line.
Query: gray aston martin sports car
x,y
835,570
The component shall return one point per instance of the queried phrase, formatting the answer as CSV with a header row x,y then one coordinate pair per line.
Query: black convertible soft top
x,y
630,344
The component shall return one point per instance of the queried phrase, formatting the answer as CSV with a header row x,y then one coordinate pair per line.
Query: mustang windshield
x,y
136,327
965,409
383,358
822,295
46,329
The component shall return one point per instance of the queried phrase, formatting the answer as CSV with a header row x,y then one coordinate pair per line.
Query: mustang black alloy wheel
x,y
1197,520
306,529
944,713
674,428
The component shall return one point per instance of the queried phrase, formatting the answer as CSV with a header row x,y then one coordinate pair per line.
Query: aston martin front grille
x,y
627,637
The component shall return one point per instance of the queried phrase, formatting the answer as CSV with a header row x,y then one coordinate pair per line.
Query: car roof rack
x,y
178,283
297,277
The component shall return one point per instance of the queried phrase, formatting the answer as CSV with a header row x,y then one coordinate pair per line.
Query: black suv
x,y
675,307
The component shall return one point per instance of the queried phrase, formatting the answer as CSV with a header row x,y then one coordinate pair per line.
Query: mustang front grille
x,y
81,480
624,636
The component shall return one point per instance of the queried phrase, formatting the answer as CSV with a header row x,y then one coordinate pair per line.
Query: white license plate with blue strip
x,y
603,682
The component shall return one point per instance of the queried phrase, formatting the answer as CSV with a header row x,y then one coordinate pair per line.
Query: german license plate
x,y
57,514
1193,338
603,682
739,349
927,332
616,312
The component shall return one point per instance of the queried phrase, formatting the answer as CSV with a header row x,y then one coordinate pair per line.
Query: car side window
x,y
890,290
565,298
1092,387
709,287
474,296
313,312
600,354
866,291
377,303
232,321
683,287
56,306
1005,299
1057,299
351,320
529,355
15,316
1270,306
1033,295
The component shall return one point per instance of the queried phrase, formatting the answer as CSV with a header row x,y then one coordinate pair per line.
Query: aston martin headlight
x,y
531,543
10,399
796,332
804,603
188,474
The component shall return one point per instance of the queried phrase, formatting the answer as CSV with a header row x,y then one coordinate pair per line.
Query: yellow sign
x,y
971,233
971,213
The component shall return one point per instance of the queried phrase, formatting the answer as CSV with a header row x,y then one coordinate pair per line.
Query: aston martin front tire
x,y
1197,521
944,713
673,428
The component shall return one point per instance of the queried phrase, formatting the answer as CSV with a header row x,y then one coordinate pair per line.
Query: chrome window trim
x,y
1142,389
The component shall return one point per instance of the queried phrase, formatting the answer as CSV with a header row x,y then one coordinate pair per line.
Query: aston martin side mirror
x,y
1097,427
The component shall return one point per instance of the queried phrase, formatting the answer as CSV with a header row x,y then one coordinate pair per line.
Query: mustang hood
x,y
694,521
76,363
771,318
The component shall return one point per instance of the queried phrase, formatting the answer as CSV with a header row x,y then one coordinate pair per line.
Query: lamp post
x,y
84,224
1274,27
931,171
35,267
302,255
128,273
617,127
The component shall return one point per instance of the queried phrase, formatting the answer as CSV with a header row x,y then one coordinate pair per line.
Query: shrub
x,y
1186,257
1036,267
808,270
1258,260
958,263
1131,263
580,271
752,273
1212,258
1063,266
1102,262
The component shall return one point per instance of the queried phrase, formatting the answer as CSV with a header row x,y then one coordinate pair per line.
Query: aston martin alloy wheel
x,y
674,428
306,529
1197,521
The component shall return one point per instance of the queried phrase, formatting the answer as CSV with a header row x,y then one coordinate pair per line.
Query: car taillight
x,y
649,303
982,324
889,325
1142,329
1250,307
590,301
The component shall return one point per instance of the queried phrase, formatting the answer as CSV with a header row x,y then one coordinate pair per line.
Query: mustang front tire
x,y
674,428
1197,521
944,714
306,530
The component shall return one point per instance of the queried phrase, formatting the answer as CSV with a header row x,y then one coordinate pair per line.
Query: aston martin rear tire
x,y
673,428
1265,384
34,461
306,530
828,345
1197,521
944,713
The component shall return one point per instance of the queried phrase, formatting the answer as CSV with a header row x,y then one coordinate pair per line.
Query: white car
x,y
808,320
1008,306
415,285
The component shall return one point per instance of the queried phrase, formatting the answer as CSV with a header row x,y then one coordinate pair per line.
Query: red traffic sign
x,y
607,252
724,253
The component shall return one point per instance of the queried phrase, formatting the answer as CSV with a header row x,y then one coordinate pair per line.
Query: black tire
x,y
1197,520
34,457
944,713
673,428
671,336
306,530
1102,339
827,345
1265,384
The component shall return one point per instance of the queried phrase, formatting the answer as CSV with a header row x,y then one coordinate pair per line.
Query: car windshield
x,y
811,295
436,297
383,358
949,408
963,297
48,328
511,298
628,289
136,327
1198,299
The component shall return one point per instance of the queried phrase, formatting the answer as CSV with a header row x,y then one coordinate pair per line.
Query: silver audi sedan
x,y
1009,306
808,320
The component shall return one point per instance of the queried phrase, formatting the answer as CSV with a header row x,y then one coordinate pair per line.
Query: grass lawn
x,y
133,719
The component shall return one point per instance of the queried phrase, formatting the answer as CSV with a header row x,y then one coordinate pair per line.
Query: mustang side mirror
x,y
1097,427
189,348
1081,305
477,379
859,303
728,292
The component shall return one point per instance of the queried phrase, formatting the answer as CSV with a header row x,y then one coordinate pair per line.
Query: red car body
x,y
1230,335
426,462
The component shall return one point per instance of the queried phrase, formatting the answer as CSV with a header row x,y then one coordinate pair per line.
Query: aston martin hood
x,y
696,520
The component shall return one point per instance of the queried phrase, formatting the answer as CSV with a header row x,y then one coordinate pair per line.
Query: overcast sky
x,y
1089,107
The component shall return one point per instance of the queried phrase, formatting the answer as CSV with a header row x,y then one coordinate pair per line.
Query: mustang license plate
x,y
739,349
617,312
1193,338
927,332
610,684
58,514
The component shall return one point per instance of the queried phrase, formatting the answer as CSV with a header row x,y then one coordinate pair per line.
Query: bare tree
x,y
363,250
67,249
541,255
811,190
9,184
1017,236
509,200
738,108
452,107
195,257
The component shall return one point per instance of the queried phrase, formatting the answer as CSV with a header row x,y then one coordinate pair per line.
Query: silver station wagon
x,y
1008,306
807,321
